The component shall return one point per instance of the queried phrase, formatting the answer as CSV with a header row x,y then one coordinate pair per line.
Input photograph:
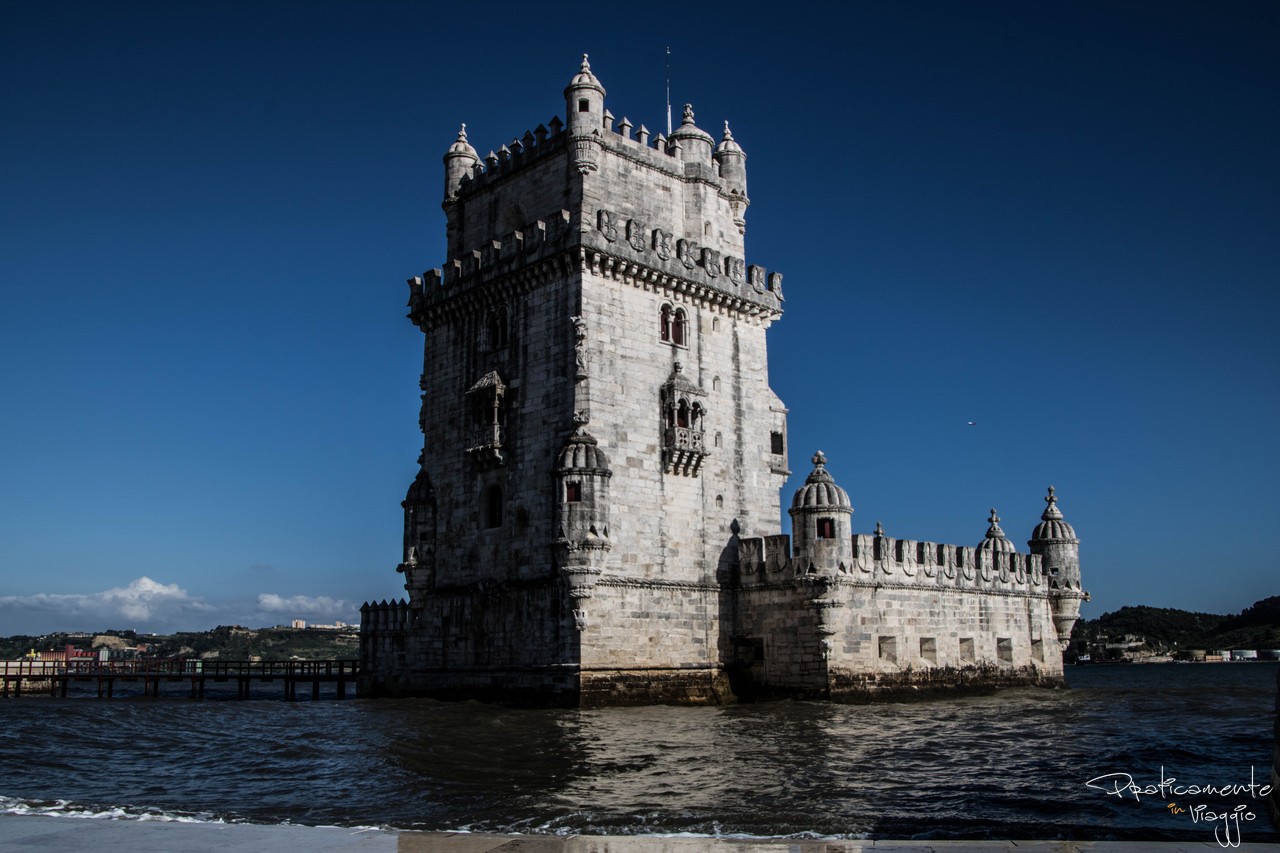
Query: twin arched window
x,y
681,413
673,325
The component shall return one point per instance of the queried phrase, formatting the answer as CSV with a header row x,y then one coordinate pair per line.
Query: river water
x,y
1017,764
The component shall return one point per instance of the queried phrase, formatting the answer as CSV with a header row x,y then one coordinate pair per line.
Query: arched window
x,y
665,323
493,506
682,414
679,328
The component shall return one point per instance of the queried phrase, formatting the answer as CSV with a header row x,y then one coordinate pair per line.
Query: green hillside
x,y
1162,630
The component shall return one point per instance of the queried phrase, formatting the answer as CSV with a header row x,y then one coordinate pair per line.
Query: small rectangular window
x,y
826,528
1004,649
776,445
929,649
966,650
1037,650
889,649
584,106
572,492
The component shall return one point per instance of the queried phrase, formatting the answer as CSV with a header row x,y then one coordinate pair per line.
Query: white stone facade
x,y
595,518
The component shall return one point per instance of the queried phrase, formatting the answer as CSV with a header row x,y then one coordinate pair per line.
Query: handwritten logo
x,y
1226,822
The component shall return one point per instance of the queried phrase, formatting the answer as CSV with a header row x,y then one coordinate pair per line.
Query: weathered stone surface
x,y
595,518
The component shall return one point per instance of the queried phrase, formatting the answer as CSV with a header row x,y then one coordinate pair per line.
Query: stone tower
x,y
595,518
598,425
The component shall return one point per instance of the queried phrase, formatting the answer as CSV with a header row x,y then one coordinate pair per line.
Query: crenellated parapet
x,y
883,561
477,174
629,250
522,257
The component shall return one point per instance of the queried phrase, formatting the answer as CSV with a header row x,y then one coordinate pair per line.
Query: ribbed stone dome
x,y
689,130
728,145
461,147
820,490
995,541
584,78
1051,526
420,491
582,453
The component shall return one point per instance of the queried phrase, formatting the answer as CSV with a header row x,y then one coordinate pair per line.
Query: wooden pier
x,y
55,678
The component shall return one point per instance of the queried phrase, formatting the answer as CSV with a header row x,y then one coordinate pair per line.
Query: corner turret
x,y
584,101
820,523
581,545
418,565
1055,541
459,162
732,161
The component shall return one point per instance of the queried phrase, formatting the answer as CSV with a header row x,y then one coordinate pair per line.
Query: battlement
x,y
384,616
882,561
535,145
645,255
656,151
629,249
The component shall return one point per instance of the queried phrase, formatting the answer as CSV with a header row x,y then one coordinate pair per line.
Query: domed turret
x,y
733,167
995,541
582,514
820,515
459,162
695,143
418,563
1059,549
584,101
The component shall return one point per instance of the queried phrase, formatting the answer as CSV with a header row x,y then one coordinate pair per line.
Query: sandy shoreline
x,y
32,832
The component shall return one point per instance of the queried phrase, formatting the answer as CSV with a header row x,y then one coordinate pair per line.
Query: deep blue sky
x,y
1058,220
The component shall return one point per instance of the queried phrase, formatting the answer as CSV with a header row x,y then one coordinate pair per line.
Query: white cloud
x,y
143,604
319,605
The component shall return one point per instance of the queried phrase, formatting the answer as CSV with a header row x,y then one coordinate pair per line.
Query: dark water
x,y
1013,764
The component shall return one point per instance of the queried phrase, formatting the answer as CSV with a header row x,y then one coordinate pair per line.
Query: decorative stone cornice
x,y
654,583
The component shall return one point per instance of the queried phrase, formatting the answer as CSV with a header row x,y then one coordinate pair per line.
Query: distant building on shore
x,y
595,519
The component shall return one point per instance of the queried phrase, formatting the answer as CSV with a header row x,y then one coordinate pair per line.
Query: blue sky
x,y
1058,220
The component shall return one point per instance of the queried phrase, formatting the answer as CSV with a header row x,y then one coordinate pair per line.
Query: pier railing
x,y
55,676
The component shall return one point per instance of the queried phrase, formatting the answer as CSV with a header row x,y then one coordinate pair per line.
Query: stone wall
x,y
906,617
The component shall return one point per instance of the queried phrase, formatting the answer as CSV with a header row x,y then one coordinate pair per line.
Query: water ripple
x,y
1012,764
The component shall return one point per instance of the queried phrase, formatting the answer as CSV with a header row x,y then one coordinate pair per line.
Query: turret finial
x,y
819,459
994,531
462,132
688,113
586,66
1051,511
879,529
728,134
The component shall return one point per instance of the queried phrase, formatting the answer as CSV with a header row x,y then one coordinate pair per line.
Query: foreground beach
x,y
30,832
